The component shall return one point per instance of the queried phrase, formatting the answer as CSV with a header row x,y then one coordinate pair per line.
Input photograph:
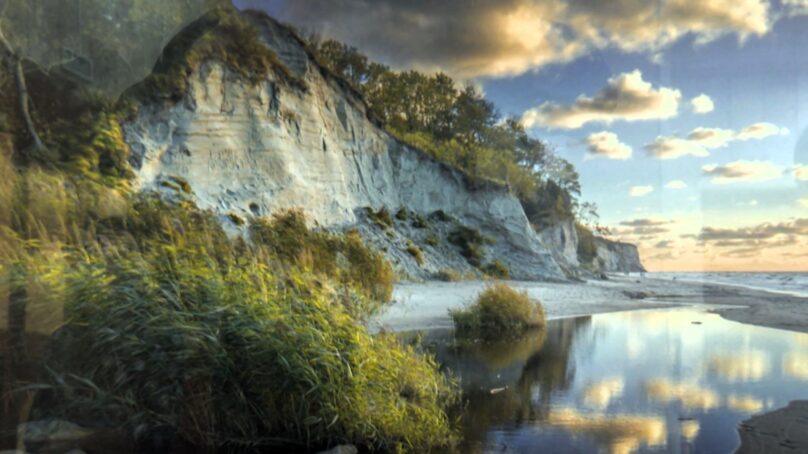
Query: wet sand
x,y
780,431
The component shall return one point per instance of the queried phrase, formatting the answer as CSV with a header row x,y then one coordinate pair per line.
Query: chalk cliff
x,y
250,148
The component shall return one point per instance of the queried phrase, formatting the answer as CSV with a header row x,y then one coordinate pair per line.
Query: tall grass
x,y
161,320
231,355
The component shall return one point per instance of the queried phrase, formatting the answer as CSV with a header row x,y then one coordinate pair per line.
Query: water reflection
x,y
740,367
795,364
690,395
744,403
689,429
616,433
584,386
600,393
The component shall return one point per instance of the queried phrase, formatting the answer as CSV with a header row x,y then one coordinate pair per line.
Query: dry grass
x,y
499,312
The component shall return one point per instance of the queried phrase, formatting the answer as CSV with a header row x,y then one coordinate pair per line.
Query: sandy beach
x,y
419,306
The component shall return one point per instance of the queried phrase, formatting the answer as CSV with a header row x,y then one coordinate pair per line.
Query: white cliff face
x,y
562,240
254,150
617,257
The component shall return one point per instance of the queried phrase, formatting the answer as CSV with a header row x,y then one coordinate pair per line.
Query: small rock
x,y
341,449
636,295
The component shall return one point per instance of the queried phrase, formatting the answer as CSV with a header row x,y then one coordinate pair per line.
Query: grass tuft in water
x,y
499,312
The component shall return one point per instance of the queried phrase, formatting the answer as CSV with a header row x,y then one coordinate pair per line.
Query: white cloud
x,y
701,140
625,97
606,144
801,170
742,171
803,201
761,131
676,184
702,104
640,191
711,138
674,147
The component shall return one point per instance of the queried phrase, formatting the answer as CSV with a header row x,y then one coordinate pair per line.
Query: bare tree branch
x,y
15,63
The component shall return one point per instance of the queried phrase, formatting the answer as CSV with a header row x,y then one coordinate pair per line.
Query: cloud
x,y
643,228
645,222
700,141
676,184
510,37
742,171
625,97
606,144
640,191
803,201
800,172
702,104
664,244
753,240
674,147
761,131
711,138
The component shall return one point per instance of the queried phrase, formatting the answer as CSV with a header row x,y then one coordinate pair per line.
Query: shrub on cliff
x,y
497,269
499,312
471,243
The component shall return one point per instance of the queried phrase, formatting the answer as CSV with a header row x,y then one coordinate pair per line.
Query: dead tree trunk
x,y
15,63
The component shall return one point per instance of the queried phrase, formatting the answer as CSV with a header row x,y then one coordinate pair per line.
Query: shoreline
x,y
425,306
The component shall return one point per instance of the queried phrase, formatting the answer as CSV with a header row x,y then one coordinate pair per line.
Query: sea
x,y
791,283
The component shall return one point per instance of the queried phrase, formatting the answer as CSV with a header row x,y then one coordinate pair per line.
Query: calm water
x,y
791,283
643,381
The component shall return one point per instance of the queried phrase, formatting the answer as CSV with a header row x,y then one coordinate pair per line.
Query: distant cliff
x,y
618,257
300,138
611,256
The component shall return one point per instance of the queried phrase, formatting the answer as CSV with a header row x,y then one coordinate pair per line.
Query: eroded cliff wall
x,y
253,149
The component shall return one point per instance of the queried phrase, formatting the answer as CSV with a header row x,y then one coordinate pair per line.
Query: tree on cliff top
x,y
459,126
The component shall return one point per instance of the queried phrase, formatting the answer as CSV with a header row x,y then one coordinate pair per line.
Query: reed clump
x,y
499,312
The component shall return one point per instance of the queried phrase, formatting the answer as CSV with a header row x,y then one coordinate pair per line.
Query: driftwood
x,y
15,63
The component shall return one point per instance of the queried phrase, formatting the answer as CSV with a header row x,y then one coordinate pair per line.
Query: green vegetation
x,y
419,222
344,258
235,355
471,243
159,319
497,269
219,35
416,253
448,275
460,127
432,240
499,312
441,216
402,214
381,217
587,250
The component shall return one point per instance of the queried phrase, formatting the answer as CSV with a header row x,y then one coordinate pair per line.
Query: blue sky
x,y
594,79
